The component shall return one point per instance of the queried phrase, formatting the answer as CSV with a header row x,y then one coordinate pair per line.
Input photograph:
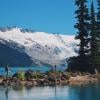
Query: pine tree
x,y
98,14
93,36
81,63
83,32
82,26
98,18
97,53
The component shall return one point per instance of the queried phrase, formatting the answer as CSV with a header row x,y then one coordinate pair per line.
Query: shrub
x,y
21,75
29,74
37,75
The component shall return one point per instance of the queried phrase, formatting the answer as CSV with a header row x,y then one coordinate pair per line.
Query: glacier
x,y
42,48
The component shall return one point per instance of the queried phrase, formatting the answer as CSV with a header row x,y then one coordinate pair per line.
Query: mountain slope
x,y
36,47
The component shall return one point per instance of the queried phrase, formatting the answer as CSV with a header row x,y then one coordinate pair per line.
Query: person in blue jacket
x,y
7,70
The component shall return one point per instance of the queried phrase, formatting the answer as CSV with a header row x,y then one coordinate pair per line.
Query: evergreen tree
x,y
83,33
98,14
81,63
93,36
97,53
98,19
82,26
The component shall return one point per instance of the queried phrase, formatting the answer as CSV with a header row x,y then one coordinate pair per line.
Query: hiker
x,y
7,70
55,68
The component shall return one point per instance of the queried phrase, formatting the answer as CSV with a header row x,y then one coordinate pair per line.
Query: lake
x,y
35,68
87,92
84,92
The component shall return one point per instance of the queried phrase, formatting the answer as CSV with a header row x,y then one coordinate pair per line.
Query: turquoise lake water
x,y
87,92
35,68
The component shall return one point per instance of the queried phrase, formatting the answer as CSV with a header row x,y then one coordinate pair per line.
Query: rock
x,y
28,83
65,76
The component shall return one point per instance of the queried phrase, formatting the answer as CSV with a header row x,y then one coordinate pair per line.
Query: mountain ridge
x,y
41,48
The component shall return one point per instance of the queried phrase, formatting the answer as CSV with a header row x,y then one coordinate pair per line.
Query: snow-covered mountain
x,y
24,47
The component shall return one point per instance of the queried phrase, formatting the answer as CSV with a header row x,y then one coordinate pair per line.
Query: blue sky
x,y
53,16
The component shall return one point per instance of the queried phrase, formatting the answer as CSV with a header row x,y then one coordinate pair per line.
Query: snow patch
x,y
45,47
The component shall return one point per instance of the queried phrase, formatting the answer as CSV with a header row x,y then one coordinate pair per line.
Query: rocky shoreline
x,y
30,78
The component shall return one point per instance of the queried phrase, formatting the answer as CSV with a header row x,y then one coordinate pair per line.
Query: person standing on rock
x,y
7,70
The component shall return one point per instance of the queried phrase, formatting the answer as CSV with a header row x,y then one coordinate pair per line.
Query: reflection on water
x,y
89,92
6,93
